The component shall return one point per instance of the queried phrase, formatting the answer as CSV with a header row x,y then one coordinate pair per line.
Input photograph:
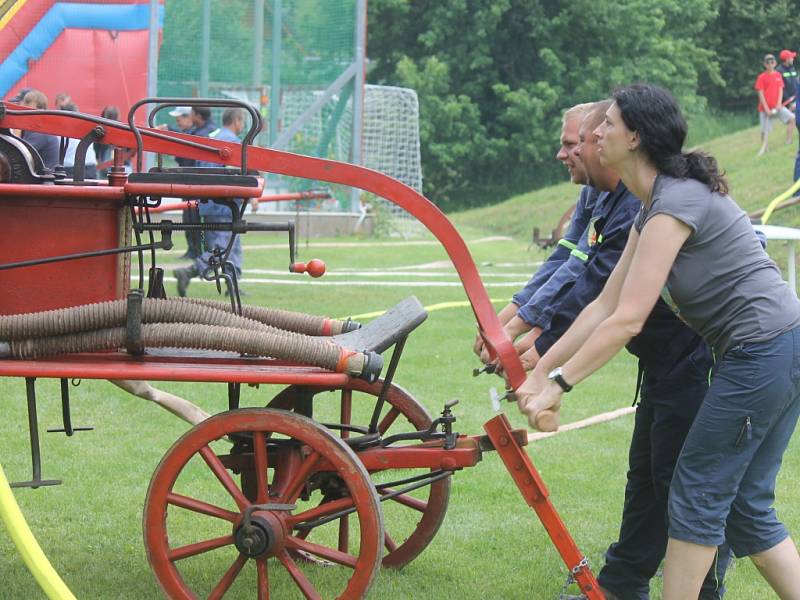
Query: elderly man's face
x,y
567,152
238,125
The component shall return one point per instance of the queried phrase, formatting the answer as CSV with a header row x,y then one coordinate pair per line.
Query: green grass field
x,y
491,545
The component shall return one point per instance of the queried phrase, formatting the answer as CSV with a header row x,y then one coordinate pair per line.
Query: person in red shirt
x,y
769,86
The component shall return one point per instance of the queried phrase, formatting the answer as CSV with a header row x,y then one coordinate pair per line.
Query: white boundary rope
x,y
588,422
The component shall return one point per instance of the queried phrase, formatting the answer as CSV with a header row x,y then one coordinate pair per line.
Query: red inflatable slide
x,y
94,51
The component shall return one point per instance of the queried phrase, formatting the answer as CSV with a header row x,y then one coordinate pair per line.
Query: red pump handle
x,y
315,267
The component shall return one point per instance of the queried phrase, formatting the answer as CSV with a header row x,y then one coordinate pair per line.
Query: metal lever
x,y
431,433
490,368
164,244
66,414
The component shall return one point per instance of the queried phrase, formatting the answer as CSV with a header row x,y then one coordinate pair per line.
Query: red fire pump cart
x,y
305,492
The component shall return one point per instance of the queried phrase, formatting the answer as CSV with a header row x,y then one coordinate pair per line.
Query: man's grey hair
x,y
595,116
579,111
232,114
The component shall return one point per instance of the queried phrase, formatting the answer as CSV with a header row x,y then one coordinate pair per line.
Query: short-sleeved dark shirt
x,y
789,81
722,283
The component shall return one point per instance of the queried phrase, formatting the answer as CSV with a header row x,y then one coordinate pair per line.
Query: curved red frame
x,y
295,165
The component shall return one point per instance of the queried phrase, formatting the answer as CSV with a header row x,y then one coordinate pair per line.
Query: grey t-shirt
x,y
722,283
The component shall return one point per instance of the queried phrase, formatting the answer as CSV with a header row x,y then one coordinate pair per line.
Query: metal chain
x,y
202,231
571,577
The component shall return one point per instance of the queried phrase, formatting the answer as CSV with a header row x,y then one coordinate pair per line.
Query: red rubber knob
x,y
315,267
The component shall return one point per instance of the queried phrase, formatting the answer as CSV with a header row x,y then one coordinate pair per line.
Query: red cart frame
x,y
467,450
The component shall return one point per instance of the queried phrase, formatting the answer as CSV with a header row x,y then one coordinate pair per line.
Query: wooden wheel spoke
x,y
227,580
201,507
263,579
216,466
308,589
344,533
407,500
330,554
388,420
280,468
388,542
322,510
260,455
298,478
199,548
346,411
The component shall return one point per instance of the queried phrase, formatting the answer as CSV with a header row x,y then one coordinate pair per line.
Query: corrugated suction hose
x,y
113,313
285,319
172,324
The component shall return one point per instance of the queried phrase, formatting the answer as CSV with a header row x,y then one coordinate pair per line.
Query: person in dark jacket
x,y
674,364
694,247
45,144
211,212
197,121
566,260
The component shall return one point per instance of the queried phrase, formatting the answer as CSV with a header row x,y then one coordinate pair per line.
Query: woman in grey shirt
x,y
693,246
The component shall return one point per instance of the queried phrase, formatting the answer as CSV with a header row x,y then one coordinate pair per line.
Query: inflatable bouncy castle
x,y
96,52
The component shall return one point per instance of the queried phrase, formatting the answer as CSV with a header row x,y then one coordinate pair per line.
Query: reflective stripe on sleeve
x,y
567,244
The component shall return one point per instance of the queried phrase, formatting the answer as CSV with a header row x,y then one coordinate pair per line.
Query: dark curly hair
x,y
654,114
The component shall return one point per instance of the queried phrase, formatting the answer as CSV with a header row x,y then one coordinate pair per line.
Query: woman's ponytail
x,y
704,168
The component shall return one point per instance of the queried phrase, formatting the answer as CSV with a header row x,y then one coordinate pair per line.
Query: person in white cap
x,y
183,120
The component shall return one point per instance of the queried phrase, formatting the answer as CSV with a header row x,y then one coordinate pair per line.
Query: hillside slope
x,y
754,181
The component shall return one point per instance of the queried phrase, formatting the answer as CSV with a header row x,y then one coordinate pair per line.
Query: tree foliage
x,y
494,76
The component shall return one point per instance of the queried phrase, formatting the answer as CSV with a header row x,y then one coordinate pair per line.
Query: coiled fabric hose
x,y
320,352
172,324
316,351
285,319
113,313
36,561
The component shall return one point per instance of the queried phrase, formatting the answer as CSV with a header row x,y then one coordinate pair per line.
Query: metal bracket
x,y
155,283
66,413
133,329
445,421
387,382
234,392
79,167
33,428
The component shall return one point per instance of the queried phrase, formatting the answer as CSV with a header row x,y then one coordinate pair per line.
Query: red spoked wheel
x,y
196,515
412,519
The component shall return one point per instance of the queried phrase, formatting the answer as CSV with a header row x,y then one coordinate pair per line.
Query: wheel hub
x,y
261,532
254,539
